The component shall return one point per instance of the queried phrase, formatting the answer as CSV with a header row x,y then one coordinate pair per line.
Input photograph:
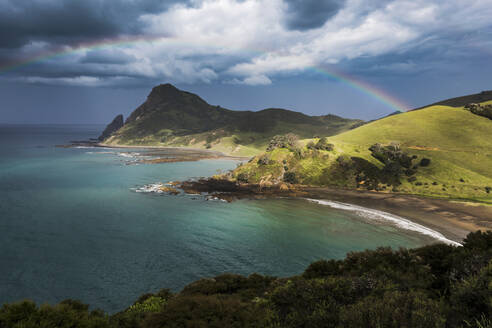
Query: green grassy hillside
x,y
456,141
171,117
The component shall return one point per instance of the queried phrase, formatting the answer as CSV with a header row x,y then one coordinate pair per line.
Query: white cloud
x,y
86,81
251,80
230,28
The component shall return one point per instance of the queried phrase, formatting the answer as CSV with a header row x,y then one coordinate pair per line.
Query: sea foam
x,y
153,188
398,221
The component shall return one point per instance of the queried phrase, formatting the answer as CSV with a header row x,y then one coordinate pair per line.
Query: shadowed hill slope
x,y
464,100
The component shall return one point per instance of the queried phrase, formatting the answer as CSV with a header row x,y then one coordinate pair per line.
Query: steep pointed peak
x,y
118,119
163,91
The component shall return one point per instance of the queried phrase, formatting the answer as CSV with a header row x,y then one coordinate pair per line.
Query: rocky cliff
x,y
112,127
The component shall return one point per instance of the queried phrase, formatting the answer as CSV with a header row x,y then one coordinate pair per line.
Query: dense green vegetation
x,y
482,110
436,151
171,117
432,286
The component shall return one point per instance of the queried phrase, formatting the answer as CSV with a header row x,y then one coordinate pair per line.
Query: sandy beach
x,y
451,218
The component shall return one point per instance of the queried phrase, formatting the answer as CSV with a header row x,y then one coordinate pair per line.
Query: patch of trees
x,y
391,154
396,162
478,109
288,141
432,286
242,177
322,144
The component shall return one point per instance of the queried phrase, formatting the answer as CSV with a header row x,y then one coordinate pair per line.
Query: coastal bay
x,y
81,230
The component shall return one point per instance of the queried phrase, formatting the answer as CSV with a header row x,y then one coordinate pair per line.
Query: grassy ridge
x,y
457,142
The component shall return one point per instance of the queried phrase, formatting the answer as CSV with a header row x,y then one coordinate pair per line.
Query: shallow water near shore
x,y
73,226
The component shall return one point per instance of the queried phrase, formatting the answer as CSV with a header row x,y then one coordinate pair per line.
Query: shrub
x,y
488,189
321,269
150,304
242,177
472,298
410,172
290,177
299,153
345,162
323,144
264,160
394,309
310,145
305,303
210,138
425,162
227,284
66,314
215,311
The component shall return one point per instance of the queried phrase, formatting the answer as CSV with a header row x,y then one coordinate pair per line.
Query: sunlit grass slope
x,y
457,142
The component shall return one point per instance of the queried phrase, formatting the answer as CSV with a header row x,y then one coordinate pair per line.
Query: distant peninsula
x,y
175,118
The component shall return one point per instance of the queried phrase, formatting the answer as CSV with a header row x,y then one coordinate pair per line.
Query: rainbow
x,y
351,81
80,48
365,88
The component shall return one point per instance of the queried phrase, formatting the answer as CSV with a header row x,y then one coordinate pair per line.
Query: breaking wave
x,y
152,187
398,221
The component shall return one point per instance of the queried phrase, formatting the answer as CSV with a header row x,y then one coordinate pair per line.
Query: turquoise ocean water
x,y
73,226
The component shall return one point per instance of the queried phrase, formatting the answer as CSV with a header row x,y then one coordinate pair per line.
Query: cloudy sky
x,y
86,61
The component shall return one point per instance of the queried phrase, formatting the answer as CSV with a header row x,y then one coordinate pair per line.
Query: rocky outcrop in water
x,y
112,127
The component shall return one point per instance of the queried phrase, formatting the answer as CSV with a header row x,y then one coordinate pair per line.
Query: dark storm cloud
x,y
308,14
71,21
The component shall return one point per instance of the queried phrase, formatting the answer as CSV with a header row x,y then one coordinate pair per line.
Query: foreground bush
x,y
431,286
67,314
